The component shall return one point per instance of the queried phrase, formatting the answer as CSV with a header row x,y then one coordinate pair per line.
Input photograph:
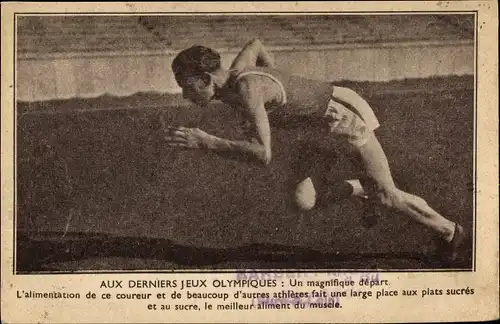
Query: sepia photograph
x,y
321,141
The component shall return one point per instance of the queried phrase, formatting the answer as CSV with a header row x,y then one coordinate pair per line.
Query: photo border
x,y
236,13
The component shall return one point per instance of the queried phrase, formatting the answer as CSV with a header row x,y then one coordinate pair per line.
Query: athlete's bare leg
x,y
384,191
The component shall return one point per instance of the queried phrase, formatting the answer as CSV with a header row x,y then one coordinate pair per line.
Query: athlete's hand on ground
x,y
186,137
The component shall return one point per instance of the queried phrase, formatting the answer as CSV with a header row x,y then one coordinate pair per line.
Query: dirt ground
x,y
98,190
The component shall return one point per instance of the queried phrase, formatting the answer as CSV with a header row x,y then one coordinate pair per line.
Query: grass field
x,y
97,189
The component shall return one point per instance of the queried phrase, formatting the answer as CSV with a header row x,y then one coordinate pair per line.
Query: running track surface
x,y
100,191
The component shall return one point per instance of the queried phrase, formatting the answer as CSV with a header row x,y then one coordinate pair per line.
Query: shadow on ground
x,y
40,255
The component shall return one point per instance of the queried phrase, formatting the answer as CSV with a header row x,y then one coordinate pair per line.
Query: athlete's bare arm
x,y
252,54
257,146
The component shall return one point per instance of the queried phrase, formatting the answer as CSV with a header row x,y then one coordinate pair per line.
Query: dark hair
x,y
196,60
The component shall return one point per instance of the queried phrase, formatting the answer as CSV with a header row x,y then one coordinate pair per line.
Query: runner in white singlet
x,y
257,89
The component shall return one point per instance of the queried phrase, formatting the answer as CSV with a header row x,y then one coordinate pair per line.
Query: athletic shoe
x,y
451,250
371,213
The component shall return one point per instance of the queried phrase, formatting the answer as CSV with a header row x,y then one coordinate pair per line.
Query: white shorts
x,y
356,124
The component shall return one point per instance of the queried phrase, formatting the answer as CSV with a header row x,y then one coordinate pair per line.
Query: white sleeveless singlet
x,y
272,77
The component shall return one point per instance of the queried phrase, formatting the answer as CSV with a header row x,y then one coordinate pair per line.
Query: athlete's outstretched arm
x,y
252,54
257,147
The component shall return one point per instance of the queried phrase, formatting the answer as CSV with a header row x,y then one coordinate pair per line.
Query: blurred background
x,y
98,190
81,56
